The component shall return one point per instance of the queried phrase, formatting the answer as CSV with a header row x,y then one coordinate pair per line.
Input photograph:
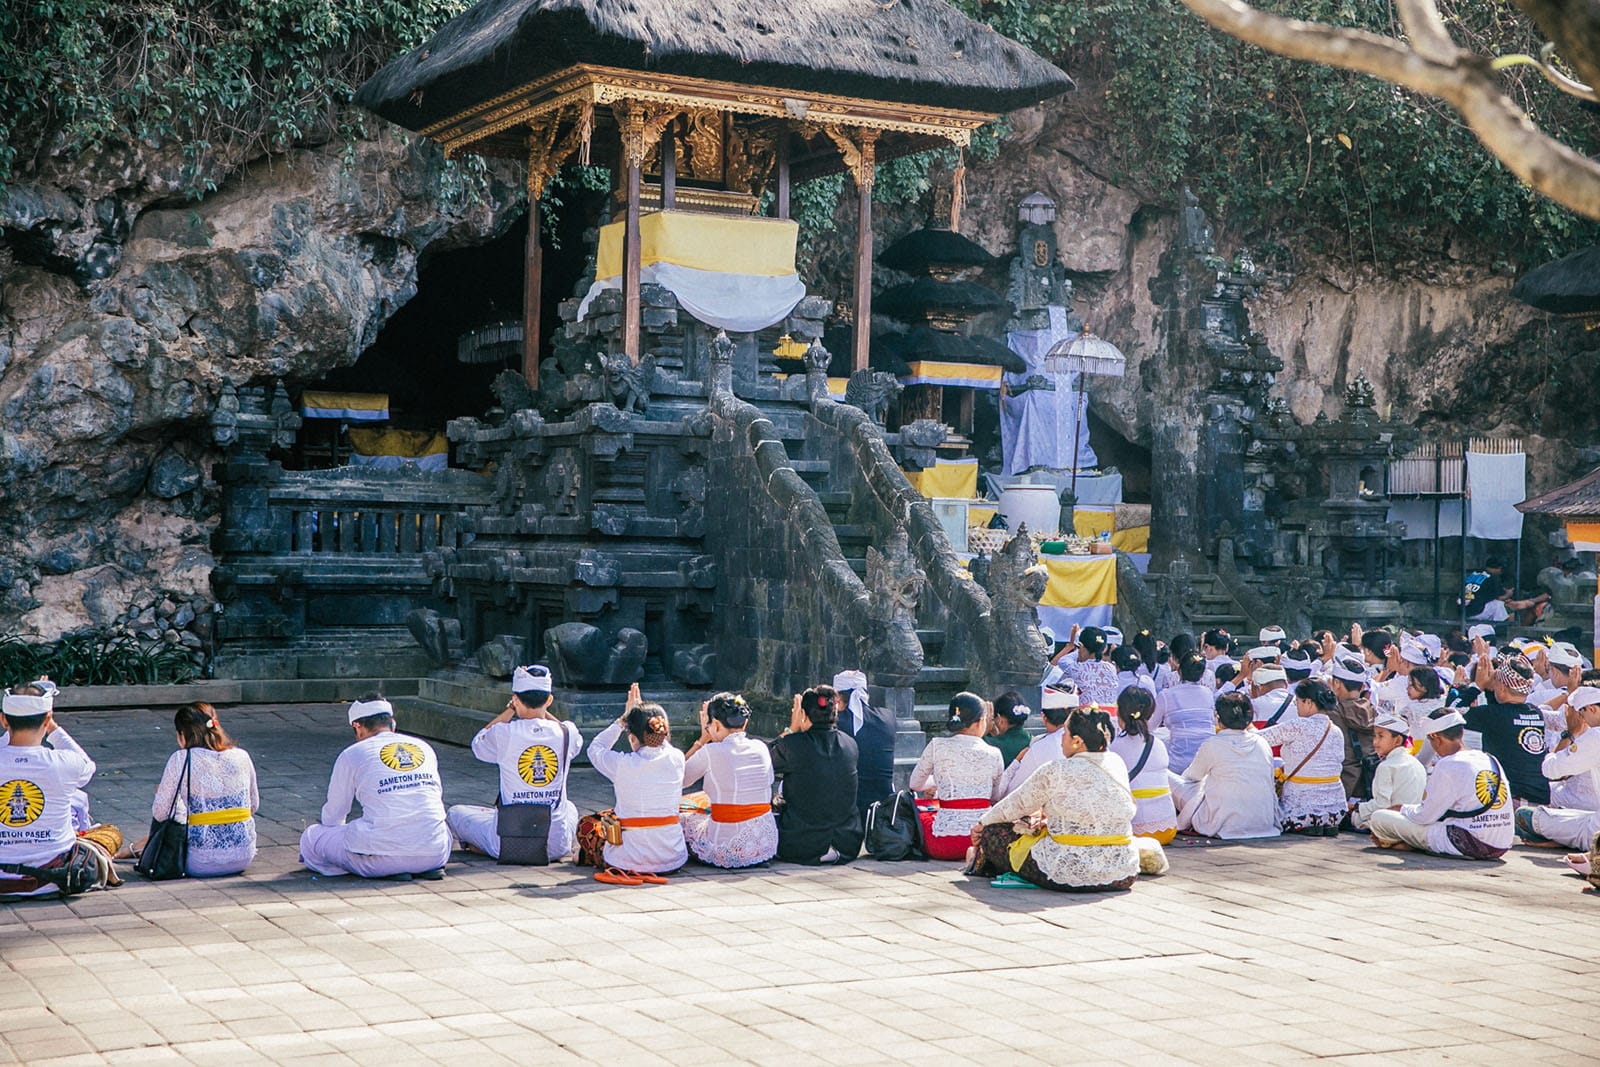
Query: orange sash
x,y
738,812
644,822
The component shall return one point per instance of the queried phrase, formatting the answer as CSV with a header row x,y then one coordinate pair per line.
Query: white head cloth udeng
x,y
1272,633
1059,698
854,683
1394,724
1440,723
1347,671
1585,696
365,709
530,679
1266,654
1416,655
1483,630
27,706
1268,675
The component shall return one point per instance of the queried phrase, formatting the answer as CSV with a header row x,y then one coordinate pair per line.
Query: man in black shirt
x,y
1513,730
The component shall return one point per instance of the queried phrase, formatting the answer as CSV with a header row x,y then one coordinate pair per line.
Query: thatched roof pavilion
x,y
1570,286
735,98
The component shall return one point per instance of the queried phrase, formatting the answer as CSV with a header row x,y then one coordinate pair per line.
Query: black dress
x,y
818,771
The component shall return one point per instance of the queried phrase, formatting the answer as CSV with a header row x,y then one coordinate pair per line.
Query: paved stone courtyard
x,y
1249,953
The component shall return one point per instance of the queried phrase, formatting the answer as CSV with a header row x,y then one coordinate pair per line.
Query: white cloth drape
x,y
1037,428
1418,517
742,303
1497,484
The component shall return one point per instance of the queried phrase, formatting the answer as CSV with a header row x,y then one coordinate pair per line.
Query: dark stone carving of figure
x,y
580,654
892,656
1015,582
628,383
872,391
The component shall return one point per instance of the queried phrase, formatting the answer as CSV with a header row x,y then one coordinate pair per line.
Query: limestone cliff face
x,y
123,309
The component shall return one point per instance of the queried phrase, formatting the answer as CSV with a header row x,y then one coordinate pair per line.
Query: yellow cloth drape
x,y
1134,540
323,404
971,375
1091,522
979,515
947,478
390,441
1023,845
727,244
1079,581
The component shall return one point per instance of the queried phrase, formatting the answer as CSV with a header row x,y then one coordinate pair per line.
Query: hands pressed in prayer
x,y
633,701
797,717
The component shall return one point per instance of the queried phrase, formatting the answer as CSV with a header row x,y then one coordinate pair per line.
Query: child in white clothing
x,y
1399,779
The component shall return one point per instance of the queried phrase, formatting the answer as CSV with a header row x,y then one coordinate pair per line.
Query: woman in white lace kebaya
x,y
1086,843
1146,758
211,785
1313,800
964,773
738,830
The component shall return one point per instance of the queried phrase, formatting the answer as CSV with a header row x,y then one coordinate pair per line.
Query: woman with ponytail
x,y
210,784
1145,755
1086,842
817,765
737,830
963,773
648,781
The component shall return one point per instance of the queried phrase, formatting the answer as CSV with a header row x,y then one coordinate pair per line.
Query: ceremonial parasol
x,y
1083,355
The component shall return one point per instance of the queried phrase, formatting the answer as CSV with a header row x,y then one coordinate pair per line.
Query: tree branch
x,y
1461,79
1573,26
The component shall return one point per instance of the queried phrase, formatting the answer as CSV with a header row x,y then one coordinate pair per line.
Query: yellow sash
x,y
1023,845
1314,781
1146,794
219,817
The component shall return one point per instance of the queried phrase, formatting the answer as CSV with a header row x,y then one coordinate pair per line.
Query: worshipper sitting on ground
x,y
737,829
963,774
81,819
1130,670
640,840
1097,679
1228,679
1215,646
1353,715
1512,730
395,778
1227,790
1572,818
1008,727
873,731
1145,756
1085,841
210,784
1187,711
534,751
1310,799
1059,704
816,764
1400,779
1166,673
38,843
1466,809
1270,696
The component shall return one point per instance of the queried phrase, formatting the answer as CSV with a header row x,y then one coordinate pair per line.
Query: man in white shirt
x,y
1466,810
1572,817
534,751
1059,705
37,787
402,830
1270,696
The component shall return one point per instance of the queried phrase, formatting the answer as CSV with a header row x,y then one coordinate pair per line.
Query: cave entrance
x,y
416,360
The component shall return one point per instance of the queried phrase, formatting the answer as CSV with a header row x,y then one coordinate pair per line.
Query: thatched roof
x,y
924,344
910,302
1569,286
908,51
921,249
1576,500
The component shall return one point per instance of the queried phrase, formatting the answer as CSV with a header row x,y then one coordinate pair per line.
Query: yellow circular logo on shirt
x,y
1491,789
21,802
538,765
401,756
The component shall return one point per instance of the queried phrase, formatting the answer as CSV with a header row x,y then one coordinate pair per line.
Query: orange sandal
x,y
650,879
617,876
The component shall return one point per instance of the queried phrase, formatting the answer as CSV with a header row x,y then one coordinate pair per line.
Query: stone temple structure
x,y
654,501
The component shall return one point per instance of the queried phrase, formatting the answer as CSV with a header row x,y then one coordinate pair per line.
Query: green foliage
x,y
1293,152
95,660
215,77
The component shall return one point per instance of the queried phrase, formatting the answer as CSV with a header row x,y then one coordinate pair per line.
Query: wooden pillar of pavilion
x,y
631,123
860,158
541,168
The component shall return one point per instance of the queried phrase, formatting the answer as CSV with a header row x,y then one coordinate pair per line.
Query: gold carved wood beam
x,y
606,86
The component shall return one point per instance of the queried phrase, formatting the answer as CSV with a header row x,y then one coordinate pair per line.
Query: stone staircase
x,y
1215,608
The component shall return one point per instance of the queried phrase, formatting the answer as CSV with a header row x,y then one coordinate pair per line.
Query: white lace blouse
x,y
736,770
962,767
1085,796
218,781
1298,736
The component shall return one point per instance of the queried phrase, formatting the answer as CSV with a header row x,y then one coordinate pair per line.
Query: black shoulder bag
x,y
166,851
524,829
1144,757
1281,709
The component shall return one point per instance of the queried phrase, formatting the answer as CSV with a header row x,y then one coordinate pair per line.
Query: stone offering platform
x,y
1275,952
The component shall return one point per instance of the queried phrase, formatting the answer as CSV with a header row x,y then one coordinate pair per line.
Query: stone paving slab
x,y
1270,952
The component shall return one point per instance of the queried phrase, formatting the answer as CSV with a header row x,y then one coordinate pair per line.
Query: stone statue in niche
x,y
511,389
580,654
629,383
1037,278
872,391
1015,582
892,656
